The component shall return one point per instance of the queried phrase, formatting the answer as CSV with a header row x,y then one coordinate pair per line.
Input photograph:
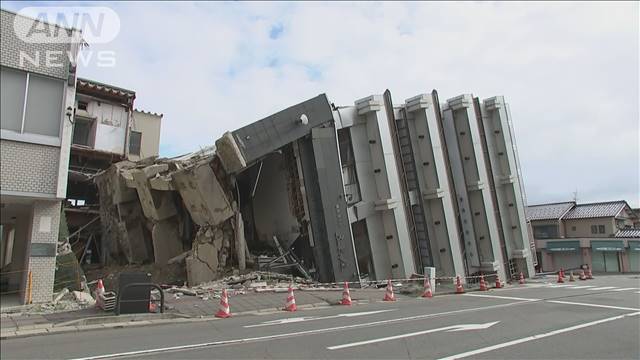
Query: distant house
x,y
106,129
602,235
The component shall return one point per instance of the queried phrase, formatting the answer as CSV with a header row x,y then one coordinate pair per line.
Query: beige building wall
x,y
149,125
582,227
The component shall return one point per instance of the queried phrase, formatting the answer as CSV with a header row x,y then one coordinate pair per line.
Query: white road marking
x,y
583,287
501,297
311,318
417,333
625,289
535,337
603,288
592,305
292,334
560,286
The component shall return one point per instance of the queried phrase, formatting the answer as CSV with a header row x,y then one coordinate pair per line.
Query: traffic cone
x,y
562,273
427,289
571,278
389,295
483,285
346,295
152,307
560,279
99,291
589,275
99,288
224,311
290,305
459,288
498,282
521,280
582,276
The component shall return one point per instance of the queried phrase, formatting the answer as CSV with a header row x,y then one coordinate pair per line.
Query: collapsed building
x,y
368,191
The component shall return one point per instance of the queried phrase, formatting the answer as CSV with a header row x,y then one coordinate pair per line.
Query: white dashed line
x,y
584,287
592,305
625,289
603,288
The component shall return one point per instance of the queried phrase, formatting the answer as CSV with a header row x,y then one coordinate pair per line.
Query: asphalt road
x,y
596,319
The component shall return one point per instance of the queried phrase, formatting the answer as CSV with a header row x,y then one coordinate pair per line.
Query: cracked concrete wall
x,y
167,242
203,195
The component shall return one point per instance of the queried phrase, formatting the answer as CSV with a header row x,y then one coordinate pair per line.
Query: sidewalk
x,y
195,308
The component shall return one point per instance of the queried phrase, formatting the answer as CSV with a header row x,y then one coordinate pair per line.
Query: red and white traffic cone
x,y
346,295
427,289
560,279
571,278
498,282
562,273
99,291
224,311
290,305
153,308
521,279
483,285
582,276
459,288
388,294
589,274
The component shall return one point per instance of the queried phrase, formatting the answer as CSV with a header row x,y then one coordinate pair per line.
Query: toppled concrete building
x,y
332,193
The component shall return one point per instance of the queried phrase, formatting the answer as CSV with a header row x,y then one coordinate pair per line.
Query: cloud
x,y
568,70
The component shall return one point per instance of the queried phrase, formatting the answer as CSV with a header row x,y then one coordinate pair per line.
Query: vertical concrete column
x,y
43,243
389,202
435,194
507,181
471,181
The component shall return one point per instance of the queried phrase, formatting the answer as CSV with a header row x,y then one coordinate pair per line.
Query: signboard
x,y
43,249
563,245
607,245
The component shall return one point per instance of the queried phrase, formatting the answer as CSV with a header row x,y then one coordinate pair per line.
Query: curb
x,y
15,334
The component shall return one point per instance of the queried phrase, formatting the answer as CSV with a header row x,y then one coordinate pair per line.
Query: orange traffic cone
x,y
571,278
99,288
427,289
498,282
224,311
582,276
99,291
346,295
521,279
483,285
562,273
389,295
560,279
290,305
459,288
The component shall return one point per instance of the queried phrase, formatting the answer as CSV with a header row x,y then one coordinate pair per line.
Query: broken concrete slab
x,y
202,264
203,195
156,205
166,241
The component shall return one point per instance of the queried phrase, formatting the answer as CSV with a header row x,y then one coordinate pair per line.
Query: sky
x,y
570,72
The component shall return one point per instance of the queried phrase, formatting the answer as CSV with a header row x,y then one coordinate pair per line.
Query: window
x,y
545,231
43,103
600,229
82,131
573,228
82,105
12,87
135,141
594,229
44,106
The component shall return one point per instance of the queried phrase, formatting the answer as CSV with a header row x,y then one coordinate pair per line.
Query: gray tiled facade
x,y
29,168
12,46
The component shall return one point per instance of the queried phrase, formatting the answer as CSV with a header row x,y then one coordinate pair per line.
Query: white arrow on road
x,y
310,318
452,328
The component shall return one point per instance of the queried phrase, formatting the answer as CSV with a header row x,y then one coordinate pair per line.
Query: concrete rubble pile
x,y
172,210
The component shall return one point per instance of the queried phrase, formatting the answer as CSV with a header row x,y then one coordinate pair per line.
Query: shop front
x,y
565,254
633,254
605,255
